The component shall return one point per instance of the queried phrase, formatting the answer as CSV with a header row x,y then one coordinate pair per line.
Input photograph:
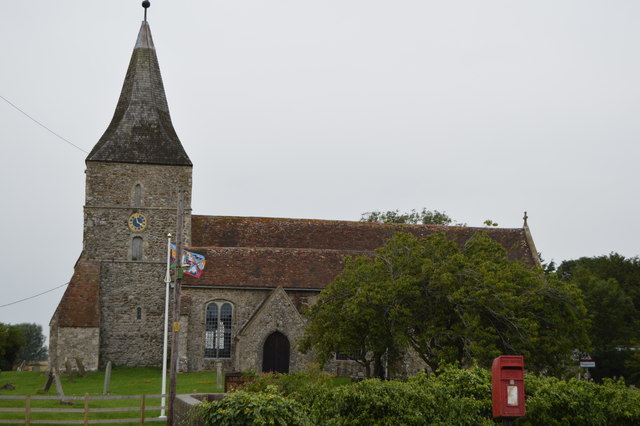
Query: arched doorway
x,y
275,353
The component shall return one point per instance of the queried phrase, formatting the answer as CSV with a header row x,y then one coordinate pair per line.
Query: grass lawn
x,y
124,381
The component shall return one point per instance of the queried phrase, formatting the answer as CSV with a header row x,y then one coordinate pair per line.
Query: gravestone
x,y
67,366
107,378
47,385
59,390
81,371
218,375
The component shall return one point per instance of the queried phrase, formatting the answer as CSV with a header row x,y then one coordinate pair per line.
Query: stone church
x,y
245,309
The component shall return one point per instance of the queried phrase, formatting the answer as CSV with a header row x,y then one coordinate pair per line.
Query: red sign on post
x,y
507,386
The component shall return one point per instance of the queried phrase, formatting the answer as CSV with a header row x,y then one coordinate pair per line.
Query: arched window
x,y
136,248
217,341
137,195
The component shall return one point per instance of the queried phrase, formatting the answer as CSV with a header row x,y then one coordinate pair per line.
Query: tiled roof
x,y
268,267
260,252
231,231
79,306
141,130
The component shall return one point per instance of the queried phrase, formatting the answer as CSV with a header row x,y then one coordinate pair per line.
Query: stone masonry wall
x,y
278,313
125,287
409,365
110,192
78,310
244,302
267,313
75,342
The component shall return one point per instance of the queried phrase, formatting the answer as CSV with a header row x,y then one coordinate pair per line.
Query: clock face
x,y
137,222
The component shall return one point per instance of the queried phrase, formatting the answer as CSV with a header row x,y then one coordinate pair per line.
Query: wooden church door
x,y
275,354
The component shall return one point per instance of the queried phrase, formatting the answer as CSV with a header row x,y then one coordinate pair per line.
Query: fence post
x,y
142,408
27,410
86,409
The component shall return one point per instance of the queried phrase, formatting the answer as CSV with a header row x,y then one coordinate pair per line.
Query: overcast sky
x,y
328,109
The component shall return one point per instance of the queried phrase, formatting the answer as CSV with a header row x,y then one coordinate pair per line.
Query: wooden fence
x,y
86,411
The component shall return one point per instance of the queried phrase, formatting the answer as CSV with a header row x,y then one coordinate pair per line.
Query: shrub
x,y
248,408
557,402
421,400
370,402
453,396
287,384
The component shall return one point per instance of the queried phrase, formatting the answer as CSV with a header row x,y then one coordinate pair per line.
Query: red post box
x,y
507,386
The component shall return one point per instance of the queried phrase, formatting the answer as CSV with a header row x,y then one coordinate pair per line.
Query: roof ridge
x,y
309,249
330,221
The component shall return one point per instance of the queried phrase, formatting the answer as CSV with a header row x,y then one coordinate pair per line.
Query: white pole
x,y
167,280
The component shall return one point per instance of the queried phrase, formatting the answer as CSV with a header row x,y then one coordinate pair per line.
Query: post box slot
x,y
512,374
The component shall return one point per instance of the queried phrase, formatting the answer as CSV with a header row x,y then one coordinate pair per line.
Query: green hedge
x,y
452,397
248,408
557,402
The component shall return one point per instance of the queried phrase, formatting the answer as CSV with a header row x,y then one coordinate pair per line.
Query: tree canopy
x,y
11,340
611,288
424,216
448,304
34,348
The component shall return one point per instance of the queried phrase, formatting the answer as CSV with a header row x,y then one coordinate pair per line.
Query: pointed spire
x,y
141,130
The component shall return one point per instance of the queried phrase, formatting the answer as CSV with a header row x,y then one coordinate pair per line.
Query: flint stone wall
x,y
278,313
125,287
110,201
256,314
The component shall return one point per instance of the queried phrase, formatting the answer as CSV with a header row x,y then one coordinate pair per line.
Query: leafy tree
x,y
425,217
34,348
611,288
11,340
354,316
626,271
449,304
548,267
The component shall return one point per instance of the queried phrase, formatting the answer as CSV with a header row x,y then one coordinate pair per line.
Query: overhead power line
x,y
43,126
31,297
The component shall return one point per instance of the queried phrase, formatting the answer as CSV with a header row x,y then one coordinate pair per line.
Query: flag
x,y
192,263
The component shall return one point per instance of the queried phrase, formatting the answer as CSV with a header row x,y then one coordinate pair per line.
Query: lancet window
x,y
136,248
137,195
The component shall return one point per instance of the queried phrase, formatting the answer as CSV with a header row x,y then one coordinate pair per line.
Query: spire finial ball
x,y
146,4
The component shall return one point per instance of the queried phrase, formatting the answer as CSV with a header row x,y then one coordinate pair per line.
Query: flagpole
x,y
175,337
167,280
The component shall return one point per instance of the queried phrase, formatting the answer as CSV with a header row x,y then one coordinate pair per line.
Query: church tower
x,y
134,176
136,169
